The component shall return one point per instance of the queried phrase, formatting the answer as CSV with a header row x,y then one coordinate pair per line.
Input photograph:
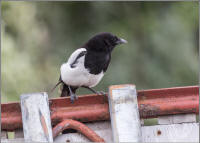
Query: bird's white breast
x,y
79,75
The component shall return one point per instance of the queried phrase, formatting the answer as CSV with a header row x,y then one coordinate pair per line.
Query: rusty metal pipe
x,y
80,127
152,103
168,101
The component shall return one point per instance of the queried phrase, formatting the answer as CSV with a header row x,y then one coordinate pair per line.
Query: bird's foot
x,y
73,97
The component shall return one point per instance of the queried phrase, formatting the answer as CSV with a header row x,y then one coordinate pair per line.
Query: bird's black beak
x,y
121,41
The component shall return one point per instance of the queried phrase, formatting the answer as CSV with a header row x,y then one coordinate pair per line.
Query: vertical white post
x,y
124,113
36,117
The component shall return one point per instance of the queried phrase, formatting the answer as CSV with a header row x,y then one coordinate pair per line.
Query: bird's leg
x,y
101,93
72,95
90,89
96,92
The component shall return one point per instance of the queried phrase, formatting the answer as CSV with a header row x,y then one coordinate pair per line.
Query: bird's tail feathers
x,y
64,91
59,82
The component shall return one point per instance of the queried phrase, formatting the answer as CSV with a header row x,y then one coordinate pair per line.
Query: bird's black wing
x,y
65,90
73,64
97,62
106,62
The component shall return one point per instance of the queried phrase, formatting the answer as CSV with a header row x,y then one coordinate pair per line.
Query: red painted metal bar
x,y
152,103
166,101
80,127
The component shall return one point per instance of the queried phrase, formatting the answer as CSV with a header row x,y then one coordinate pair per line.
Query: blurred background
x,y
37,37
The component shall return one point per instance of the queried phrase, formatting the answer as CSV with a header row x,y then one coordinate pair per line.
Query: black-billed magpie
x,y
86,66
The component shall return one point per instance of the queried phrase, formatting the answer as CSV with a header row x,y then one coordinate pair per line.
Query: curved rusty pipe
x,y
72,124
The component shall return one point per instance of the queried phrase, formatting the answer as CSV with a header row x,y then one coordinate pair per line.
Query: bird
x,y
86,66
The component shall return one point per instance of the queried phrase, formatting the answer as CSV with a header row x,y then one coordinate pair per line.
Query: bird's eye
x,y
115,38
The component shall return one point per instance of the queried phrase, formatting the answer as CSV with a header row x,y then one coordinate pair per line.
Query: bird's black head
x,y
104,42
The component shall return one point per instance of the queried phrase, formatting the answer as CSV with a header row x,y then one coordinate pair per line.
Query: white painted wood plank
x,y
18,140
71,137
19,134
36,117
185,132
176,119
4,135
125,119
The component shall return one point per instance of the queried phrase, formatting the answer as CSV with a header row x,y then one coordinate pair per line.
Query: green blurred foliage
x,y
37,37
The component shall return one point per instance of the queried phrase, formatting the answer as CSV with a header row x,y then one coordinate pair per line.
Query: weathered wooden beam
x,y
36,117
125,119
185,132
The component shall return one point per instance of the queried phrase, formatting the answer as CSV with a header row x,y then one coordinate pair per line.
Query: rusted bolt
x,y
158,132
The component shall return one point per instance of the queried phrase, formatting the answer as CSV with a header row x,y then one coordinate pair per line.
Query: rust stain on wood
x,y
159,132
44,125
